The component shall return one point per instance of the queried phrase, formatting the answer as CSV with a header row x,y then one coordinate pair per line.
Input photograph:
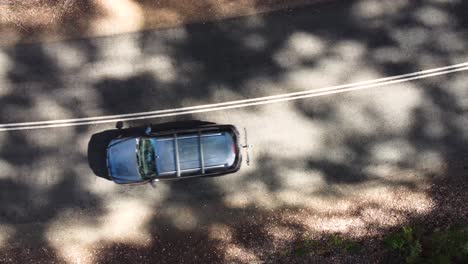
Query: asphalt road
x,y
324,155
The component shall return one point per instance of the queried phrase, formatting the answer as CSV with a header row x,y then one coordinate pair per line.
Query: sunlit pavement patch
x,y
75,236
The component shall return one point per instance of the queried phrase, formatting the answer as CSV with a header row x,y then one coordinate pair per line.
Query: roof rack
x,y
203,166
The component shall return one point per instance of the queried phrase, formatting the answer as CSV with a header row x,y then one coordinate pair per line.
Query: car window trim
x,y
200,149
176,149
194,169
187,137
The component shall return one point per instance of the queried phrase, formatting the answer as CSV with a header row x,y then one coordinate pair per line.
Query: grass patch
x,y
307,246
347,245
417,246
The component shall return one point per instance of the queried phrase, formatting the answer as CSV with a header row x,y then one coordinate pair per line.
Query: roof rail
x,y
176,149
200,148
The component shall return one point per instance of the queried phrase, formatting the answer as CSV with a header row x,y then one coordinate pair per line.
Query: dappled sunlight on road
x,y
301,46
35,21
75,236
356,164
6,232
118,16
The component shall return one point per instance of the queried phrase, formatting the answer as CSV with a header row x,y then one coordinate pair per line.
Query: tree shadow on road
x,y
413,143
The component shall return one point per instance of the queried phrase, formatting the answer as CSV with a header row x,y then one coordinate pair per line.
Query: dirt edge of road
x,y
33,21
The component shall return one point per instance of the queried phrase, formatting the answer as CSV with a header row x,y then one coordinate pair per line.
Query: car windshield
x,y
146,158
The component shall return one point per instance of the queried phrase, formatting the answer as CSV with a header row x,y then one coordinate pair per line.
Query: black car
x,y
173,154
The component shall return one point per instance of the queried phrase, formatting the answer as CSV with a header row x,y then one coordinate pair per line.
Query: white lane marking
x,y
238,103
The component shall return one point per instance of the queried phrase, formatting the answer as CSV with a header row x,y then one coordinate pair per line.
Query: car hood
x,y
122,160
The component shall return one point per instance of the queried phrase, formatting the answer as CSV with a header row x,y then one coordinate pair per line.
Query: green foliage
x,y
406,243
440,247
337,241
415,250
308,245
352,246
345,244
396,241
450,244
301,251
414,245
465,249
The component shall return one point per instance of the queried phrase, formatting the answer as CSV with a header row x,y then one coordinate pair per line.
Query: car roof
x,y
184,153
219,152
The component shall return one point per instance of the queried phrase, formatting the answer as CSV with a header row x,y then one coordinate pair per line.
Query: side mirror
x,y
148,130
119,125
